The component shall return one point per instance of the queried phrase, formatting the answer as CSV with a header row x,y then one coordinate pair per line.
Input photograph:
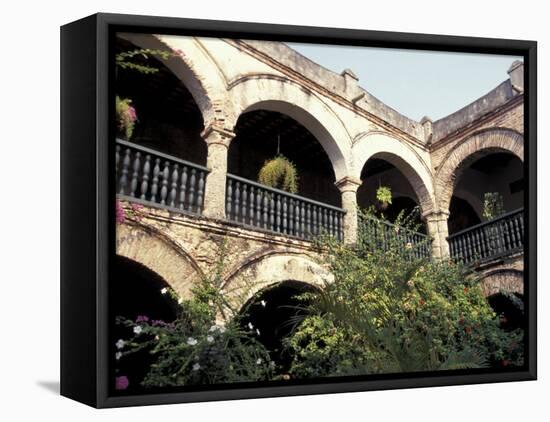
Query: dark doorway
x,y
273,312
509,307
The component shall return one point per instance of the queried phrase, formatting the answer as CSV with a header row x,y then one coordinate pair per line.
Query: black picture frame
x,y
87,201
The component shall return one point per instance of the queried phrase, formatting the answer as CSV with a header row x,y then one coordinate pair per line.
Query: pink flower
x,y
120,214
121,383
132,113
142,318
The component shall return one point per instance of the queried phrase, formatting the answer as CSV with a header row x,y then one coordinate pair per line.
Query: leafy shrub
x,y
195,348
384,195
280,173
126,117
388,311
493,205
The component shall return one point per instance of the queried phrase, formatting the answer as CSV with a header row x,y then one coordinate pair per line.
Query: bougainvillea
x,y
126,117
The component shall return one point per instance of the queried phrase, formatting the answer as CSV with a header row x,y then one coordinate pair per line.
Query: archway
x,y
135,292
481,176
262,134
273,313
462,156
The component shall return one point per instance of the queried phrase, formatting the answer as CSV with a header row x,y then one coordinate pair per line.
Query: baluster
x,y
302,219
244,207
339,225
154,186
507,245
237,204
284,219
272,211
200,192
477,243
192,182
324,220
164,189
135,174
124,175
308,221
117,158
145,176
259,194
290,216
265,209
513,238
251,202
520,224
174,186
460,248
229,198
278,214
298,218
314,220
331,223
183,187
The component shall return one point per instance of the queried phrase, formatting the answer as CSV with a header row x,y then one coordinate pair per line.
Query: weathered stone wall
x,y
504,275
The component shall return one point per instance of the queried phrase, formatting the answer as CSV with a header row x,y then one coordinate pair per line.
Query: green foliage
x,y
279,173
493,205
127,59
388,311
195,348
384,195
126,117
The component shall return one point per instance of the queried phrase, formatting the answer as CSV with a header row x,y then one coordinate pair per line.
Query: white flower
x,y
120,344
180,301
222,329
263,302
272,364
410,283
209,339
213,328
196,367
163,291
118,355
409,245
257,331
259,361
157,337
138,329
250,326
191,341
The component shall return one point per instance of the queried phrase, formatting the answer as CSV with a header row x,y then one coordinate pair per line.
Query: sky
x,y
415,83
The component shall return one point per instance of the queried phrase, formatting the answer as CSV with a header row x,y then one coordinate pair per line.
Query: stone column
x,y
348,187
438,230
218,141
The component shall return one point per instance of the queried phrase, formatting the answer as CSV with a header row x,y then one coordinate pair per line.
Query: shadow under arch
x,y
273,313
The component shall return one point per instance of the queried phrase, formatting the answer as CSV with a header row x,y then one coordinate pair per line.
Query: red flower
x,y
422,302
468,329
466,290
506,362
461,321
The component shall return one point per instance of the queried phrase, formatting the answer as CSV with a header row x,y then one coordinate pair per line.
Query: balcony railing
x,y
257,205
147,175
384,235
490,240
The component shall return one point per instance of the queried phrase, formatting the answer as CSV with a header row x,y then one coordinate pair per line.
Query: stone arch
x,y
467,151
160,254
402,156
193,68
270,269
502,280
272,93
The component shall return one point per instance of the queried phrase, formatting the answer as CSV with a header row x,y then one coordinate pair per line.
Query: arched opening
x,y
261,134
273,313
488,172
509,306
380,172
168,118
135,290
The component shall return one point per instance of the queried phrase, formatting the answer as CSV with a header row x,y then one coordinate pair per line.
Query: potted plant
x,y
280,173
125,118
383,197
493,205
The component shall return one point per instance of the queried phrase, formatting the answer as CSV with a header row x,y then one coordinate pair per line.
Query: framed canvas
x,y
253,210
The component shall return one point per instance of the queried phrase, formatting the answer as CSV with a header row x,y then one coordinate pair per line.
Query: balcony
x,y
488,241
150,177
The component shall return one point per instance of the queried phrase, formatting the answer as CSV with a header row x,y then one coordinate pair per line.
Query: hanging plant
x,y
126,117
383,196
280,173
493,205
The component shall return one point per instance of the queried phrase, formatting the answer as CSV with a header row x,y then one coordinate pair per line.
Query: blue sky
x,y
415,83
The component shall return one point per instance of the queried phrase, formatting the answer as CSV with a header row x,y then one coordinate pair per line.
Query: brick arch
x,y
270,269
402,156
272,93
508,280
156,251
196,70
469,150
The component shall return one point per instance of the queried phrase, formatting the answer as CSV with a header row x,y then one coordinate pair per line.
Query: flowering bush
x,y
194,348
387,311
126,117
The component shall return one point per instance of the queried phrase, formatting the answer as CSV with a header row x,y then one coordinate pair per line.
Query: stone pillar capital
x,y
348,184
213,134
440,215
